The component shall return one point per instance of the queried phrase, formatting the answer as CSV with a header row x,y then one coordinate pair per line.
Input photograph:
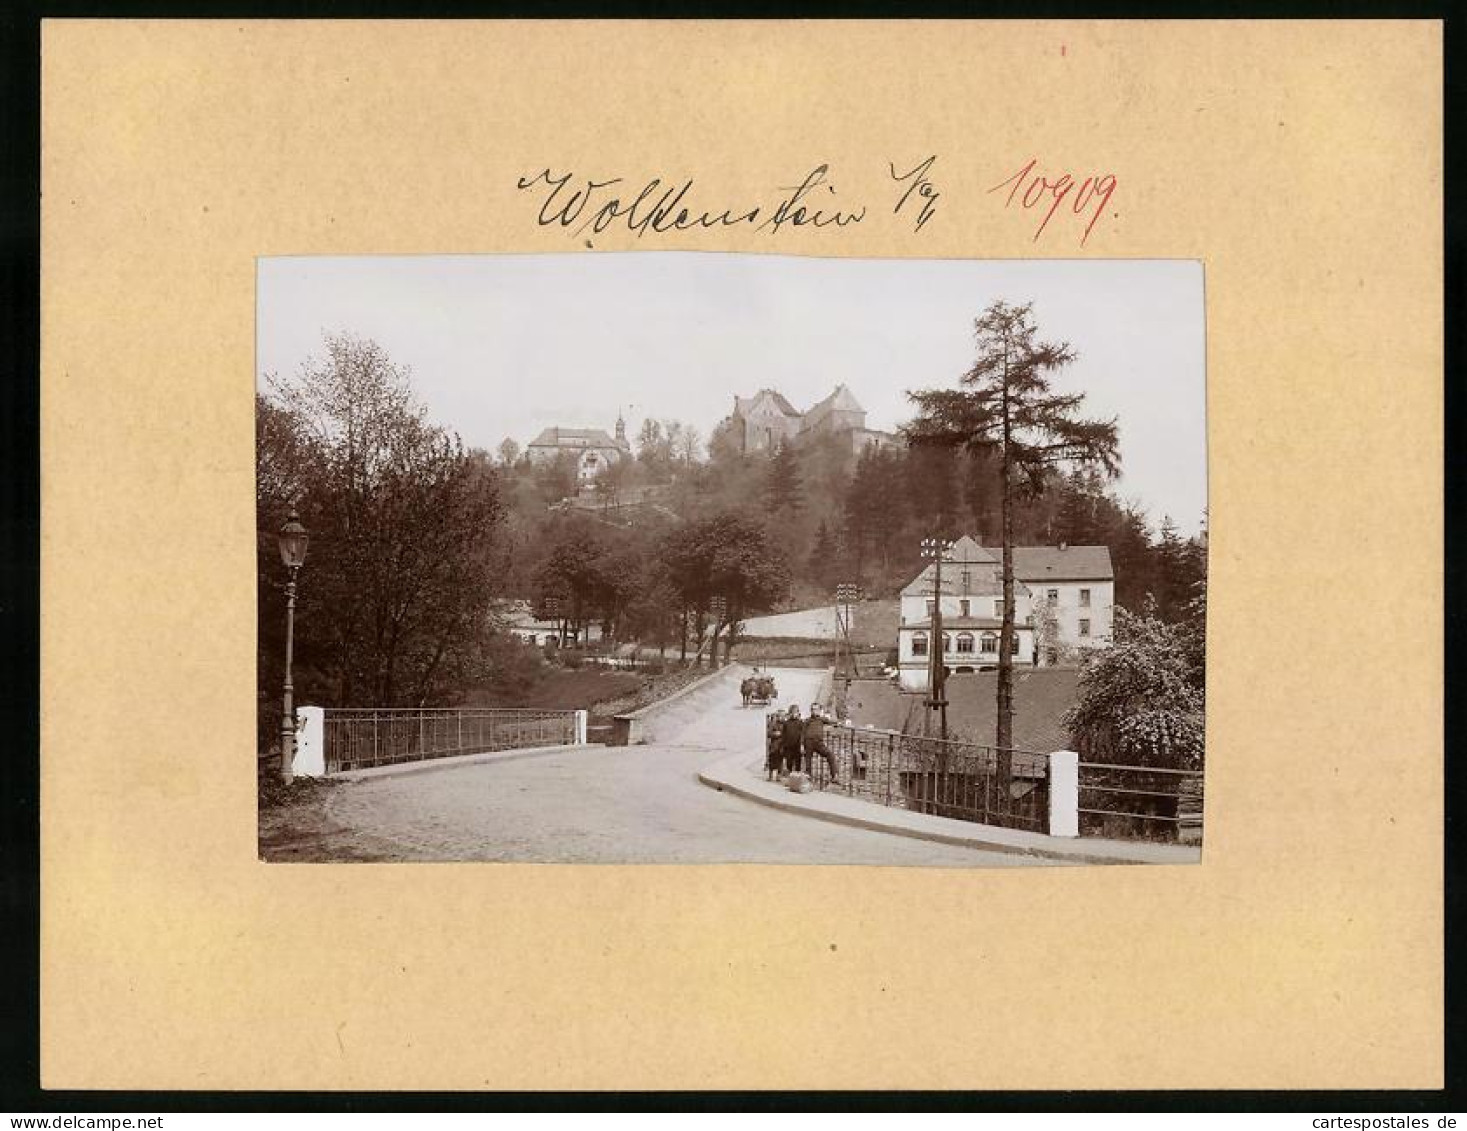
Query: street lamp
x,y
936,550
293,539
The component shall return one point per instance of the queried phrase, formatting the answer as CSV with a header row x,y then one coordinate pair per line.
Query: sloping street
x,y
609,805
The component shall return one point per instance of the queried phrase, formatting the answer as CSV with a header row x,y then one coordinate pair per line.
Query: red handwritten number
x,y
1036,186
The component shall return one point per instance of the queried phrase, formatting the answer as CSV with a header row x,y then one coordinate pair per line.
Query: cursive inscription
x,y
917,182
587,206
594,206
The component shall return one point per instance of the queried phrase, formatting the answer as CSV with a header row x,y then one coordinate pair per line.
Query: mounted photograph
x,y
675,557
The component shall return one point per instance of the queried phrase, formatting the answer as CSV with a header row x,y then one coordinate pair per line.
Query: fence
x,y
944,777
366,737
1140,801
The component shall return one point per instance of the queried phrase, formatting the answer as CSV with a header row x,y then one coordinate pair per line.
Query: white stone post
x,y
581,719
310,743
1064,793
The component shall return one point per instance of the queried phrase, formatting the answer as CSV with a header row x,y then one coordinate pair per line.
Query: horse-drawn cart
x,y
758,689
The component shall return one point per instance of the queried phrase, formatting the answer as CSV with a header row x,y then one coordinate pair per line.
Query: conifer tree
x,y
1005,405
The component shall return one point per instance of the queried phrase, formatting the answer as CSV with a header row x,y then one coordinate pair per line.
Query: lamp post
x,y
936,550
293,539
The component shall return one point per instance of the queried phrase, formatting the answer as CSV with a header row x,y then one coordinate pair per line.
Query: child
x,y
773,727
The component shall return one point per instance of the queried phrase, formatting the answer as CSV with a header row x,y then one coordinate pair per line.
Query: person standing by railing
x,y
791,735
773,738
815,742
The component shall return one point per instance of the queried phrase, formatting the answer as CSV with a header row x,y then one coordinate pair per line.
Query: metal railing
x,y
1140,801
929,775
360,738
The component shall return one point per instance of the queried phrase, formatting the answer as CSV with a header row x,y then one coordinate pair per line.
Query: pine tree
x,y
822,563
1006,406
783,485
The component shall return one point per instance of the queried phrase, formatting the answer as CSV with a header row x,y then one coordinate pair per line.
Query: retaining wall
x,y
667,716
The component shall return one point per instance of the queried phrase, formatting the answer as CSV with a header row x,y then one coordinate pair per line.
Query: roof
x,y
965,552
841,399
743,404
575,438
1032,565
1068,563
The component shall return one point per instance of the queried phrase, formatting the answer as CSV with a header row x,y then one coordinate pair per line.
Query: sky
x,y
505,345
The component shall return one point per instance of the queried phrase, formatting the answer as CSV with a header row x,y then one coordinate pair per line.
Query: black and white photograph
x,y
691,558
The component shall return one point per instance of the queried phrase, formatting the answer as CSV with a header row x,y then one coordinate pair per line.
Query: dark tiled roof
x,y
1073,563
574,438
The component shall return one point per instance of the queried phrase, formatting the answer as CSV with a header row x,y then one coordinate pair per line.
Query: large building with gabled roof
x,y
766,420
592,448
1064,600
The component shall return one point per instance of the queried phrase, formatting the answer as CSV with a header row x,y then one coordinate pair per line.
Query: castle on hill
x,y
766,420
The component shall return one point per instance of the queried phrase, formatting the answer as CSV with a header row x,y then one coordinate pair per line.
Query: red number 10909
x,y
1034,190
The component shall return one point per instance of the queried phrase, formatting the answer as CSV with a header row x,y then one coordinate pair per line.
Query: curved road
x,y
610,805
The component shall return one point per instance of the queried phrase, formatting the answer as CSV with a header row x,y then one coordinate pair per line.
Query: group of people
x,y
793,742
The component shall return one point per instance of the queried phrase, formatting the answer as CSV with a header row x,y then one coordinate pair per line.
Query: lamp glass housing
x,y
293,539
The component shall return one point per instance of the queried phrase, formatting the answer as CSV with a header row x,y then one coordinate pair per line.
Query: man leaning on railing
x,y
815,741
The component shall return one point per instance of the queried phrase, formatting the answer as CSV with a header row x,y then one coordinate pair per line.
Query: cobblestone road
x,y
634,804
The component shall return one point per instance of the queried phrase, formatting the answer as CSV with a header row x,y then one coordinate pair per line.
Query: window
x,y
919,644
1053,596
967,581
989,642
931,605
1084,598
965,642
1053,655
1084,628
998,608
947,642
1014,644
963,605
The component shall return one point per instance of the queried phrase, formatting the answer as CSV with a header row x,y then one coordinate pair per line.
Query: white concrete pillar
x,y
1064,793
582,717
310,743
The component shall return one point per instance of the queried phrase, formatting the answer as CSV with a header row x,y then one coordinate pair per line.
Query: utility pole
x,y
937,549
846,595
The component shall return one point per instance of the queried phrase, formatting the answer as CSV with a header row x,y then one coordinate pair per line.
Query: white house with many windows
x,y
1063,598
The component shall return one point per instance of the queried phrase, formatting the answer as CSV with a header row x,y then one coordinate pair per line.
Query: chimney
x,y
1064,546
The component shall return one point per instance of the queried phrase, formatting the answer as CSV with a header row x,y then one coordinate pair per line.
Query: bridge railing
x,y
945,777
361,738
1140,802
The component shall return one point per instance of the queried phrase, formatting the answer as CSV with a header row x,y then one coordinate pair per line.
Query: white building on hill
x,y
1063,601
593,449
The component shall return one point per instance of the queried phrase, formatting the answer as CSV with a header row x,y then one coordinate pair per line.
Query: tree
x,y
1141,700
727,555
1006,406
1046,630
822,565
405,528
649,441
783,487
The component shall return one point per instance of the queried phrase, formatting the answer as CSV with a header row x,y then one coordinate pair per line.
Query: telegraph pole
x,y
937,549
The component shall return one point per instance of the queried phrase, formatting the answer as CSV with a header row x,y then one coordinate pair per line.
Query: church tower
x,y
621,431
